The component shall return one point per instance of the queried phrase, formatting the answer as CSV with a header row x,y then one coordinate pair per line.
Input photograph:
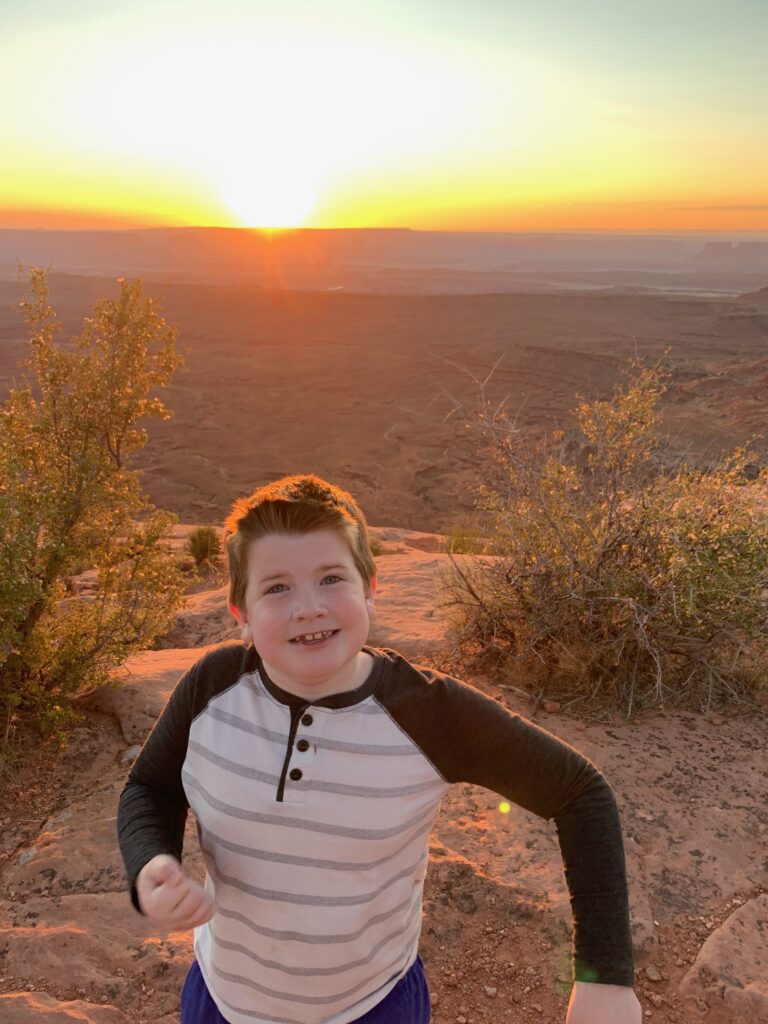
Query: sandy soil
x,y
496,931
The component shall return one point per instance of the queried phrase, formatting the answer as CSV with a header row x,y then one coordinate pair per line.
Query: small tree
x,y
204,545
69,500
613,575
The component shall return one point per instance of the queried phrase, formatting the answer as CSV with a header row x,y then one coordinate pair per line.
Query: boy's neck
x,y
360,671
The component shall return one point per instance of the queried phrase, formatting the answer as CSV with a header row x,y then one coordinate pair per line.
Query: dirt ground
x,y
496,936
489,952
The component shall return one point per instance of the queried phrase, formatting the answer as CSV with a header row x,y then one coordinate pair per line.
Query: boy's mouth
x,y
313,638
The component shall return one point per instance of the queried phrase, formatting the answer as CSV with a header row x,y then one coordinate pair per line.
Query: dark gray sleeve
x,y
469,737
153,805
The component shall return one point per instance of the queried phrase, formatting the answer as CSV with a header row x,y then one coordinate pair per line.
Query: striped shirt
x,y
314,819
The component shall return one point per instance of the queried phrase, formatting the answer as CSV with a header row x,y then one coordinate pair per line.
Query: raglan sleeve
x,y
484,743
153,806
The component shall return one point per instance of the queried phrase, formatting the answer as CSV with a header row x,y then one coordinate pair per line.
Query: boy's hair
x,y
294,504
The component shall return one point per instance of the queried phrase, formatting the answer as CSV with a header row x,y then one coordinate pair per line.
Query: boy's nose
x,y
309,613
308,606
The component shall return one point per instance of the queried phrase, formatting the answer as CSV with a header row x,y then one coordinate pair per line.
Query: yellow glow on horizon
x,y
259,134
280,125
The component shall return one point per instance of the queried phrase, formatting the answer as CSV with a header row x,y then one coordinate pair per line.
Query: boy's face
x,y
307,612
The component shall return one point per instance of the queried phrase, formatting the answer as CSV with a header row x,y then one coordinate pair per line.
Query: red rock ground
x,y
496,932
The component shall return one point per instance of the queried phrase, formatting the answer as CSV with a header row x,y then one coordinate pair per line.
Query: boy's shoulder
x,y
219,668
226,656
403,680
470,736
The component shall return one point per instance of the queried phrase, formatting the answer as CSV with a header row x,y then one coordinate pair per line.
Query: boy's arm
x,y
589,834
153,805
538,771
470,737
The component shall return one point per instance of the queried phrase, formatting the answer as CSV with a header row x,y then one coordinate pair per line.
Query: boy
x,y
315,766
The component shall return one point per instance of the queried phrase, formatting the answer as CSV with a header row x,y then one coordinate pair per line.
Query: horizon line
x,y
621,233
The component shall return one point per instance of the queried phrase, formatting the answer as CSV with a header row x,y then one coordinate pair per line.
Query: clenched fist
x,y
603,1004
169,898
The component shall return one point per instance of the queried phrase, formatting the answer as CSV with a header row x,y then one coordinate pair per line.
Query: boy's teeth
x,y
307,637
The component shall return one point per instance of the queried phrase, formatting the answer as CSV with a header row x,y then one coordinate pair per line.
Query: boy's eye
x,y
332,578
274,588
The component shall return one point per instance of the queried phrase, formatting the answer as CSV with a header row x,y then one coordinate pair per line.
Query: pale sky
x,y
487,115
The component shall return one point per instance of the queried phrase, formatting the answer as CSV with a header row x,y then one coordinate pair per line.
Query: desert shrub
x,y
204,545
69,499
616,574
464,538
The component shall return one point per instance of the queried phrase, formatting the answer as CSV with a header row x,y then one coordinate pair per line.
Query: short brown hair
x,y
294,504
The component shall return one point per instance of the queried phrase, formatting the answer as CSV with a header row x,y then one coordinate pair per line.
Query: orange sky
x,y
433,116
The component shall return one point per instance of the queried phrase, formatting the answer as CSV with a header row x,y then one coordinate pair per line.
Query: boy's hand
x,y
171,899
603,1004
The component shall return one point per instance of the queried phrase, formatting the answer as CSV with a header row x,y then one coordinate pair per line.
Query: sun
x,y
269,198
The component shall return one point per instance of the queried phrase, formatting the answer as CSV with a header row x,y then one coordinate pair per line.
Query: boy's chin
x,y
307,677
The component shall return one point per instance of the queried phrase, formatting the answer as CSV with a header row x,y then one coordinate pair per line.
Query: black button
x,y
307,720
295,774
302,745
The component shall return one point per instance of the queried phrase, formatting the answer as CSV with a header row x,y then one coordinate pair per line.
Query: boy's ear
x,y
370,594
246,633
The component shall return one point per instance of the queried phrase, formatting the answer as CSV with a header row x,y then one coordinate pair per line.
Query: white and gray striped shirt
x,y
314,819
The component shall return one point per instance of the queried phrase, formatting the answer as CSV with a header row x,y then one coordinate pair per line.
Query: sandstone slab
x,y
40,1008
730,970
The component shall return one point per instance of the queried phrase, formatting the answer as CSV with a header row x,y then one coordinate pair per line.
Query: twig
x,y
517,690
539,699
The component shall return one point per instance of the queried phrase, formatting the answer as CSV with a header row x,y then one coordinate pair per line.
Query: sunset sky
x,y
435,114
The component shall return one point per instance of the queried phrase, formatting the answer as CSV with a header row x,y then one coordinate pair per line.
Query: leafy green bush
x,y
612,576
204,545
68,499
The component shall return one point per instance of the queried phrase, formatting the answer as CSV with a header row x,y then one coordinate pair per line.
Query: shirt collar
x,y
347,699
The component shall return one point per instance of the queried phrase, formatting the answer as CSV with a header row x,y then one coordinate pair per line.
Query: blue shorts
x,y
407,1003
